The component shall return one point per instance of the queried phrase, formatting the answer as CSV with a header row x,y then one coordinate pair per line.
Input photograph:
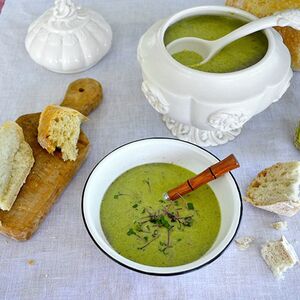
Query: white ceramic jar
x,y
210,109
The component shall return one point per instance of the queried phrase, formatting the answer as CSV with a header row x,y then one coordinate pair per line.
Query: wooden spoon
x,y
211,173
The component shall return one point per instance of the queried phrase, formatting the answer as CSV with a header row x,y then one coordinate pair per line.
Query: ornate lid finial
x,y
63,8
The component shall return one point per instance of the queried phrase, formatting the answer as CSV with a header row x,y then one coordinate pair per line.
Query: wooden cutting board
x,y
50,174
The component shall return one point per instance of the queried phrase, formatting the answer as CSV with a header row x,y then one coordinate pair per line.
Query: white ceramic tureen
x,y
68,39
210,109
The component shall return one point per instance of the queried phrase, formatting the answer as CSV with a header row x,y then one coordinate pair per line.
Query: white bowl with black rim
x,y
163,150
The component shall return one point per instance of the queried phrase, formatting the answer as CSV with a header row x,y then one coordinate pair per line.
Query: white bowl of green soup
x,y
209,104
127,218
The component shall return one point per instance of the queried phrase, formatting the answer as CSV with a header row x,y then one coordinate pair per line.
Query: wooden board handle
x,y
83,95
226,165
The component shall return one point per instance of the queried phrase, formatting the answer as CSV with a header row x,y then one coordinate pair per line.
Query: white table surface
x,y
67,263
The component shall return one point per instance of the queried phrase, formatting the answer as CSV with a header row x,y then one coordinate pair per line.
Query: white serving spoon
x,y
208,49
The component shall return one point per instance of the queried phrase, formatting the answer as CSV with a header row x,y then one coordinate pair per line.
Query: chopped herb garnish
x,y
190,206
154,222
138,227
131,231
188,221
116,196
155,233
141,248
164,222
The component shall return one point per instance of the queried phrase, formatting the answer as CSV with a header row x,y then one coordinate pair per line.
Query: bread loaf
x,y
262,8
59,127
16,161
276,189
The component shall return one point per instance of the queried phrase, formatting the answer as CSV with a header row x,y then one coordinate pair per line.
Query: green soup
x,y
143,228
238,55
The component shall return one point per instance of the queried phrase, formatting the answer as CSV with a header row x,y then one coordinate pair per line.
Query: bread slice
x,y
276,189
279,256
16,161
59,127
262,8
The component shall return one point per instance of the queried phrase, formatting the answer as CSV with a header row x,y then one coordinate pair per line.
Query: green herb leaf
x,y
135,206
146,238
164,222
190,206
131,231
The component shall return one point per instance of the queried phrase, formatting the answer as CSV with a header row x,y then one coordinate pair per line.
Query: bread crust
x,y
262,8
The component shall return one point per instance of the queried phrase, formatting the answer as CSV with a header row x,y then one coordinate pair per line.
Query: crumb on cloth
x,y
281,225
31,262
244,243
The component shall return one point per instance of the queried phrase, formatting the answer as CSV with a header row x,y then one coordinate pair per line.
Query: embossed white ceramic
x,y
163,150
210,109
68,39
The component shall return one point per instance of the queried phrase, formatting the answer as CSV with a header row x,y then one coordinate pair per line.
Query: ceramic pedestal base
x,y
197,136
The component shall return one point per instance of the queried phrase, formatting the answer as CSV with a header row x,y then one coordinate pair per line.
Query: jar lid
x,y
68,39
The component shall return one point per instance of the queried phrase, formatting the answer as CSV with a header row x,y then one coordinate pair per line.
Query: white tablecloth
x,y
67,263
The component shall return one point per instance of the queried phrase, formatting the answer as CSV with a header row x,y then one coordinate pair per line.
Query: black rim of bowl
x,y
153,273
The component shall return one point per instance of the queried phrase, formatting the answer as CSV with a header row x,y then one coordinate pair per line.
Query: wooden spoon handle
x,y
83,95
211,173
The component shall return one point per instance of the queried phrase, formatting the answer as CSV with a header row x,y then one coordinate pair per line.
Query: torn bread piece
x,y
59,127
279,256
276,189
244,242
16,161
281,225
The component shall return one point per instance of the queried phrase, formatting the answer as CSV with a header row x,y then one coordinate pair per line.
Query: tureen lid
x,y
67,38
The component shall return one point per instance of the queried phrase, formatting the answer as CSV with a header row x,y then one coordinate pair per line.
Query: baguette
x,y
16,161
